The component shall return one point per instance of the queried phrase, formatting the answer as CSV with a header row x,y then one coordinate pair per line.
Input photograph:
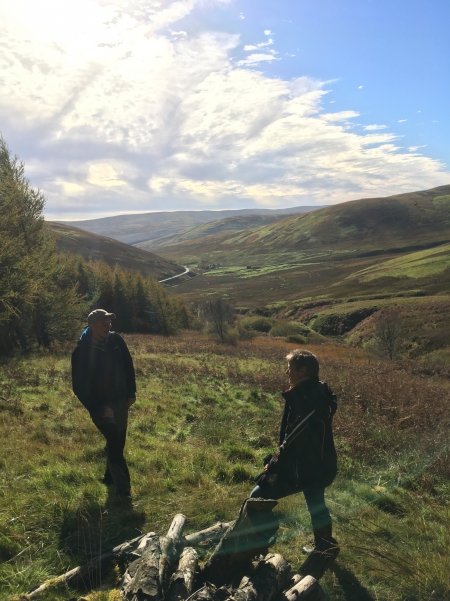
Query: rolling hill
x,y
99,248
153,228
218,227
360,227
391,246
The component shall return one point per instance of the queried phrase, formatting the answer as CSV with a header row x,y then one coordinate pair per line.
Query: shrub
x,y
256,323
289,328
297,338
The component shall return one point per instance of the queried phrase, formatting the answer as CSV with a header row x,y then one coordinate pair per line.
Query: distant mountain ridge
x,y
161,226
100,248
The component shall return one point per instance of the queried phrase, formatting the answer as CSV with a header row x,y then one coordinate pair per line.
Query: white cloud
x,y
268,32
402,121
256,58
251,47
374,127
131,110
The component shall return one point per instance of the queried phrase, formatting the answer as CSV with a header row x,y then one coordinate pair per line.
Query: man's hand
x,y
131,401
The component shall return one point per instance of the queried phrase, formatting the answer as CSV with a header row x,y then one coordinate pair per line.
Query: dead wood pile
x,y
167,568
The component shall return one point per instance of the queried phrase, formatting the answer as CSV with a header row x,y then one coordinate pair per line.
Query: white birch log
x,y
182,581
307,588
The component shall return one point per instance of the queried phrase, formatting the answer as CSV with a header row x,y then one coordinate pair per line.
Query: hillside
x,y
401,222
99,248
153,227
387,246
219,227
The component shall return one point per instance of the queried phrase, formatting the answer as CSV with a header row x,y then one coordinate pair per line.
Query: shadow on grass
x,y
91,530
350,585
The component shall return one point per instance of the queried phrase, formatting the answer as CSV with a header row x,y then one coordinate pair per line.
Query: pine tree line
x,y
46,295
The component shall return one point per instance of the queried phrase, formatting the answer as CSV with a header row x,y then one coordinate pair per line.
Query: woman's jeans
x,y
315,501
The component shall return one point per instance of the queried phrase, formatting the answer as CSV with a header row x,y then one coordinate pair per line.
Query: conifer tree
x,y
32,298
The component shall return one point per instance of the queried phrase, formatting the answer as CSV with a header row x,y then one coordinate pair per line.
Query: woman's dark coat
x,y
310,460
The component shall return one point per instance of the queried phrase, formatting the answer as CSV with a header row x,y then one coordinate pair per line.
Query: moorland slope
x,y
337,264
100,248
395,223
153,228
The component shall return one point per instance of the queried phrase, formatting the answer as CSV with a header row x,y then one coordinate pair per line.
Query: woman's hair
x,y
301,358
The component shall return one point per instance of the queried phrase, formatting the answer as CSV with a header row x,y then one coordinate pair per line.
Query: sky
x,y
127,106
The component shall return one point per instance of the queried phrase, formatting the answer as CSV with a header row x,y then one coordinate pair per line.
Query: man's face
x,y
101,327
295,373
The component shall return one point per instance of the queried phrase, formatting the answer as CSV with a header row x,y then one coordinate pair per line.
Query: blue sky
x,y
142,105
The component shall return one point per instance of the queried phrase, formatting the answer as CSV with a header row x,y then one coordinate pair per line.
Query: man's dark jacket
x,y
310,460
102,374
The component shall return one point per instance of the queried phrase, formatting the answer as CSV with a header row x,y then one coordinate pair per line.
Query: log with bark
x,y
146,579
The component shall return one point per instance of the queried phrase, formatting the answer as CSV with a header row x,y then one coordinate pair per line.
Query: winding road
x,y
186,270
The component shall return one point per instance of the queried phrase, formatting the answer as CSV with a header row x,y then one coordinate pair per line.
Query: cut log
x,y
182,581
141,580
211,534
307,588
249,536
89,571
170,546
271,576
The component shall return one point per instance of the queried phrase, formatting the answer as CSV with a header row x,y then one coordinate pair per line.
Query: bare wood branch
x,y
86,571
212,534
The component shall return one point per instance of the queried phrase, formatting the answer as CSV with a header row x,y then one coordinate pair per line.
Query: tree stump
x,y
249,536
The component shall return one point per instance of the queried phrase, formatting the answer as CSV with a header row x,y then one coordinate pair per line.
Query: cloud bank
x,y
134,106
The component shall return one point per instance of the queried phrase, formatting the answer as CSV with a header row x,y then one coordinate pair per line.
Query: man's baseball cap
x,y
99,315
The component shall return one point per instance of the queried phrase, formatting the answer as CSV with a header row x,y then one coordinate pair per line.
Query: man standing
x,y
306,460
103,379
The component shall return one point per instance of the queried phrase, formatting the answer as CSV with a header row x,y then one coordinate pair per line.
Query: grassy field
x,y
206,415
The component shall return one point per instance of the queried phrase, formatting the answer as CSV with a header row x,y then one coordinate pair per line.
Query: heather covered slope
x,y
99,248
219,227
402,222
155,227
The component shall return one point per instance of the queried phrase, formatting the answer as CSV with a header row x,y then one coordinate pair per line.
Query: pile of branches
x,y
167,568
